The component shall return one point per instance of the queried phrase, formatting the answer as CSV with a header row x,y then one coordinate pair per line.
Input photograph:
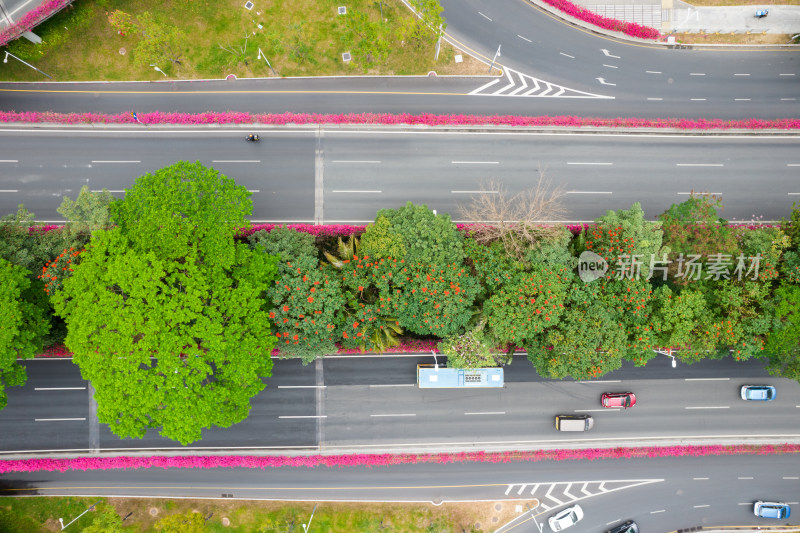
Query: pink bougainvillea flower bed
x,y
231,117
370,460
31,19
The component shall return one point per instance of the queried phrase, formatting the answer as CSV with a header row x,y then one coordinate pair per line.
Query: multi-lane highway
x,y
359,404
366,404
371,404
355,172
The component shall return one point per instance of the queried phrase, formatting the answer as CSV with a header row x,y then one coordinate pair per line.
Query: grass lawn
x,y
298,37
40,514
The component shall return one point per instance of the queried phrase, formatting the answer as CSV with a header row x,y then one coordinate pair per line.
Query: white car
x,y
568,517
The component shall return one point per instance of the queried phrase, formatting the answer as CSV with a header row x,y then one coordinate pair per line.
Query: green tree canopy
x,y
88,212
783,342
428,238
169,321
24,324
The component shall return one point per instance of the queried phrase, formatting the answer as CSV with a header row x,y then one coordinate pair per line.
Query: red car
x,y
618,399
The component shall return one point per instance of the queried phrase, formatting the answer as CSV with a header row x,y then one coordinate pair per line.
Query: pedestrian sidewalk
x,y
676,16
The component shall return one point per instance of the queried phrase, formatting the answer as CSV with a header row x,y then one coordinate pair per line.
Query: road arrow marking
x,y
607,53
604,82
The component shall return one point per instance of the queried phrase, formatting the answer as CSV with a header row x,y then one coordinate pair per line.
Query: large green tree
x,y
167,316
24,312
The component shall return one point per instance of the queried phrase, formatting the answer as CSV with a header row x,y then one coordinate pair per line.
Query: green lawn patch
x,y
219,38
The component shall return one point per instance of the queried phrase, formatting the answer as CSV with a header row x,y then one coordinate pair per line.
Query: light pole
x,y
306,526
260,55
668,353
158,69
435,360
5,60
61,520
496,55
538,525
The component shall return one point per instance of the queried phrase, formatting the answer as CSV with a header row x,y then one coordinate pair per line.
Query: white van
x,y
574,422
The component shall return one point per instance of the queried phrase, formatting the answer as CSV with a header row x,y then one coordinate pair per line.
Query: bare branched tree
x,y
519,220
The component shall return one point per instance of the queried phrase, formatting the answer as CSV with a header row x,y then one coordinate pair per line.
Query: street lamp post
x,y
61,520
668,353
260,55
435,360
158,69
306,526
5,60
538,525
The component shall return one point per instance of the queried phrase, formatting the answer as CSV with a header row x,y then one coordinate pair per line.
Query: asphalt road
x,y
360,171
660,494
373,404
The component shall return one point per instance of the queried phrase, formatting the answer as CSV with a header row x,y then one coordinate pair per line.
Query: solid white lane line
x,y
697,99
602,381
653,71
614,522
741,74
697,74
594,410
398,414
588,163
656,512
609,66
698,164
655,99
524,38
699,478
701,506
475,162
58,419
354,161
236,161
707,379
346,191
744,477
309,416
302,386
60,388
589,192
488,413
396,385
110,190
710,407
116,161
567,55
484,16
474,192
741,99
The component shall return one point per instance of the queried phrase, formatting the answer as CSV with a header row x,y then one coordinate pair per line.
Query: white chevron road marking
x,y
517,85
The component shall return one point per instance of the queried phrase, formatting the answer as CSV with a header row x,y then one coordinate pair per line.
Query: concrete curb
x,y
588,130
399,449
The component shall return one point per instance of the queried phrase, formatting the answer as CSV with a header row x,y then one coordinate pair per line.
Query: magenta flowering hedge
x,y
628,28
370,460
231,117
31,19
